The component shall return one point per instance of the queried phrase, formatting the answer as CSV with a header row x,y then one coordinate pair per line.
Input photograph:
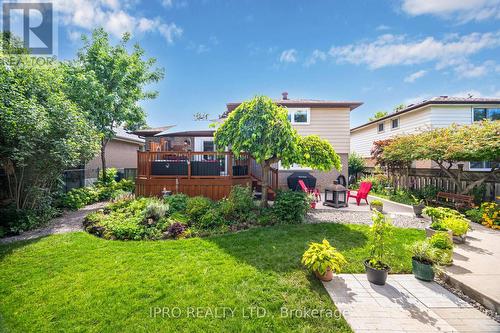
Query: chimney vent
x,y
285,95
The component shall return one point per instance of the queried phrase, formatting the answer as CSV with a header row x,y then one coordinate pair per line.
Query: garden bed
x,y
80,281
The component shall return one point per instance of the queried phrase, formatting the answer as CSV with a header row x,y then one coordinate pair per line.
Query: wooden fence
x,y
417,179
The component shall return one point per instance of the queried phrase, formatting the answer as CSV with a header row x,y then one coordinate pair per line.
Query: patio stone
x,y
404,304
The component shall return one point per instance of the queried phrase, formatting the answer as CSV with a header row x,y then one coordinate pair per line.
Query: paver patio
x,y
404,304
476,266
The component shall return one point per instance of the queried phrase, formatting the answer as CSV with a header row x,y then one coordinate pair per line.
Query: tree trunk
x,y
104,142
265,175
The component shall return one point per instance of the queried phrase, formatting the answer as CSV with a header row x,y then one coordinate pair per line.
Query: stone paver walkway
x,y
68,222
404,304
476,266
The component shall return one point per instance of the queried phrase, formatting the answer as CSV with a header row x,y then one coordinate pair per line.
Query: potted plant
x,y
458,227
377,205
424,256
444,247
323,259
437,214
418,206
380,233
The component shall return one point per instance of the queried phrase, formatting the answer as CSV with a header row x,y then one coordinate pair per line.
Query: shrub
x,y
290,207
176,230
475,214
379,182
211,219
239,206
377,203
380,235
15,221
156,209
428,192
177,202
322,256
197,207
80,197
266,217
458,226
440,213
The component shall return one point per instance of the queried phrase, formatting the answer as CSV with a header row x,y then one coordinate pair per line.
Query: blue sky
x,y
382,53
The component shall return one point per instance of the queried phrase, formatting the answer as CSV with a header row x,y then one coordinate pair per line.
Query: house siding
x,y
119,154
414,121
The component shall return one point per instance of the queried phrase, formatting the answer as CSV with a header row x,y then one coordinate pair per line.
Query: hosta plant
x,y
321,257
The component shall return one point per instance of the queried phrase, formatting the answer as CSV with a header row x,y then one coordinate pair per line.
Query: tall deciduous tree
x,y
108,82
356,165
261,128
42,131
378,115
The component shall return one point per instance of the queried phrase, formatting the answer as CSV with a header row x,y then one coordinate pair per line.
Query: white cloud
x,y
463,10
288,56
388,50
317,55
382,27
414,76
116,17
167,3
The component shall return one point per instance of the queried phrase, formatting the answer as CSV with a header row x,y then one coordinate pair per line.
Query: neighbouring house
x,y
441,111
187,161
121,153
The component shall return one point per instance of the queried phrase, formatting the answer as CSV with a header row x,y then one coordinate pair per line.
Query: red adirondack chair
x,y
362,193
313,191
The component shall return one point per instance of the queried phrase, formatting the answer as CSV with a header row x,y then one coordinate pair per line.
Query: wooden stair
x,y
257,188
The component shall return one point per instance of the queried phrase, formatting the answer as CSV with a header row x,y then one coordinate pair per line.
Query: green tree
x,y
108,82
399,107
356,165
42,132
378,115
449,146
261,128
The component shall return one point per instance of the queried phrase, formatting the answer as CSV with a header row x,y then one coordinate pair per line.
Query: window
x,y
380,127
299,116
482,165
395,123
485,113
208,146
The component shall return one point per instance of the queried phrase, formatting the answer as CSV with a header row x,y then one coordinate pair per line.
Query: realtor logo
x,y
33,23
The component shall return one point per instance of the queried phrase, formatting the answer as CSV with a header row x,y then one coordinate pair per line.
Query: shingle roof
x,y
121,134
152,131
302,103
439,100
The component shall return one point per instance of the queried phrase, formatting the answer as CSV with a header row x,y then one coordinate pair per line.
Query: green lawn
x,y
77,282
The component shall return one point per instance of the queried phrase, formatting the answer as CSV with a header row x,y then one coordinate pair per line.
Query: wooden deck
x,y
209,174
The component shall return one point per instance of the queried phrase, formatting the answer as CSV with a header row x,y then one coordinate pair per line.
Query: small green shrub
x,y
239,206
377,203
266,217
213,218
458,226
440,213
290,207
80,197
322,256
197,207
424,252
475,214
177,202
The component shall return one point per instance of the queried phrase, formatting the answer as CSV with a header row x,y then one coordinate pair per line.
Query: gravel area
x,y
70,221
352,217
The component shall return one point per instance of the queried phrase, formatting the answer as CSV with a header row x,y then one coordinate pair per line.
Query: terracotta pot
x,y
328,276
429,232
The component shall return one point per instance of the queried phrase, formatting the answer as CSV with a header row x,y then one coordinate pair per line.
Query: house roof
x,y
152,131
311,103
207,133
439,100
123,135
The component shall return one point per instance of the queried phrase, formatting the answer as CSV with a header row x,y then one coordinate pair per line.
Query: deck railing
x,y
169,164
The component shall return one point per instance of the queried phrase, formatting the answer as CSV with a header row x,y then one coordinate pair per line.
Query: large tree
x,y
449,146
261,128
42,131
108,82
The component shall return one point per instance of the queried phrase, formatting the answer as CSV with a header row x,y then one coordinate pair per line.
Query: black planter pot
x,y
376,276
